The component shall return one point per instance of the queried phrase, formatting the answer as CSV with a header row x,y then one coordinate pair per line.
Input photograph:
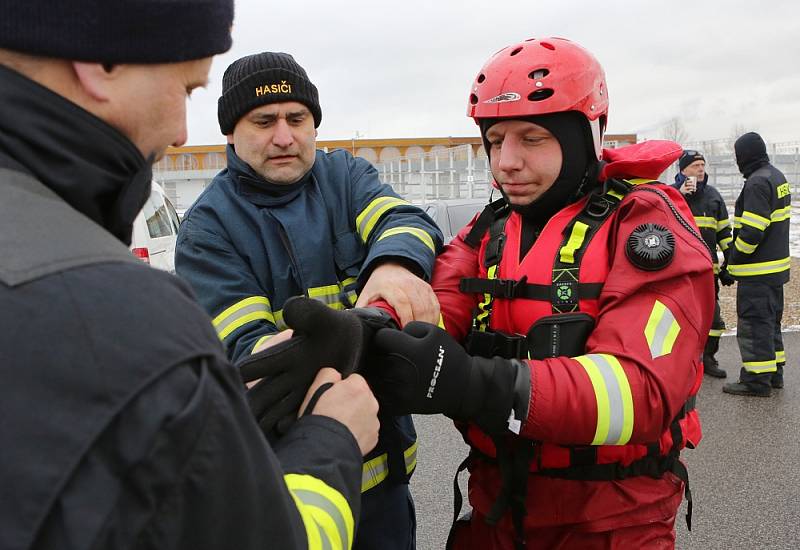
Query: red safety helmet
x,y
540,76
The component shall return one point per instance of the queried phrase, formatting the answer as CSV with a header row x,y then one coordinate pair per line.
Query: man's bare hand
x,y
411,297
350,401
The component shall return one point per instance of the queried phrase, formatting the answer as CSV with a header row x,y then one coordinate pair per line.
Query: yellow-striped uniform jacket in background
x,y
760,250
710,215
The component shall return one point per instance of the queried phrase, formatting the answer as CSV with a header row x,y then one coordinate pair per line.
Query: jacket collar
x,y
252,186
89,164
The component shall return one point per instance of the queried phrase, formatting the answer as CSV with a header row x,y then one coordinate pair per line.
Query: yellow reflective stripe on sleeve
x,y
415,231
760,268
661,330
754,220
368,218
374,471
760,367
743,246
250,309
715,332
722,224
576,237
614,399
326,514
410,456
705,222
781,214
725,243
780,356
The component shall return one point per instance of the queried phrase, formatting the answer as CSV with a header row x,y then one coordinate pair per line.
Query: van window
x,y
176,222
155,213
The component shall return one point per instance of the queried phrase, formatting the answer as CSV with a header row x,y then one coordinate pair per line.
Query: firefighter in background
x,y
711,216
759,262
584,298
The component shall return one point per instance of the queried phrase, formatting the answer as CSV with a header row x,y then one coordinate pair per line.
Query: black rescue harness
x,y
562,334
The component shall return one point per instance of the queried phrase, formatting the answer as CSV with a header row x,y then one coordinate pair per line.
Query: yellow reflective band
x,y
715,332
760,268
725,243
754,220
369,217
760,367
640,181
374,471
239,314
781,214
485,307
705,222
614,399
440,324
326,514
576,237
261,341
780,356
410,456
661,330
722,224
615,194
415,231
716,266
743,246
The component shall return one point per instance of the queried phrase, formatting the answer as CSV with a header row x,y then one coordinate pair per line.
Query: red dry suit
x,y
626,396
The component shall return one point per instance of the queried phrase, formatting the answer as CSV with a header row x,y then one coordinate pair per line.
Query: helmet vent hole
x,y
473,99
516,50
481,78
547,45
540,95
538,73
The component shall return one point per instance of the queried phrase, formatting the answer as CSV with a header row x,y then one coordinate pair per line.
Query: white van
x,y
155,231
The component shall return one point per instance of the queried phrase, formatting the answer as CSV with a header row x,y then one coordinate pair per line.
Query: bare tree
x,y
674,130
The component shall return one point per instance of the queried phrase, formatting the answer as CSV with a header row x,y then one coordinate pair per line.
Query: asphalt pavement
x,y
744,475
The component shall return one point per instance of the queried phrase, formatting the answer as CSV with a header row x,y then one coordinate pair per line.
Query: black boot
x,y
747,388
711,367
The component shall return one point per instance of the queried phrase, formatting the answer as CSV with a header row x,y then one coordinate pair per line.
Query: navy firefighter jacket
x,y
246,245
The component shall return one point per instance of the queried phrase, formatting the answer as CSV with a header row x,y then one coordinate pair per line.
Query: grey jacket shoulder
x,y
43,235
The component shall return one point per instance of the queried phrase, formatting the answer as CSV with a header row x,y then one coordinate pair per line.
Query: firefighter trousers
x,y
759,308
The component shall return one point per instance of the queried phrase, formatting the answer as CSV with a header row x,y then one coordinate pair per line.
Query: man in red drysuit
x,y
583,298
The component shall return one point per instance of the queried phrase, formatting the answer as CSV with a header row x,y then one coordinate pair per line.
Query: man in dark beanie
x,y
711,216
284,220
123,423
760,262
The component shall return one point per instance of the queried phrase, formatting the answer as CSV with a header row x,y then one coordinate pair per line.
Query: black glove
x,y
322,337
725,278
423,370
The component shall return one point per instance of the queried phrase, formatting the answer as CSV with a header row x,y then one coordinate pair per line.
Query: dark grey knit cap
x,y
117,31
262,78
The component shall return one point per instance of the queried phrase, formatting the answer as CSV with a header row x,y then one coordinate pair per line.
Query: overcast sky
x,y
404,68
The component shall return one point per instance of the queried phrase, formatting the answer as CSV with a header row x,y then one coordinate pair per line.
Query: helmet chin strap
x,y
578,165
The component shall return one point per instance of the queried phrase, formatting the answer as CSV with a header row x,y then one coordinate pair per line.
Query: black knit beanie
x,y
262,78
689,156
117,31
